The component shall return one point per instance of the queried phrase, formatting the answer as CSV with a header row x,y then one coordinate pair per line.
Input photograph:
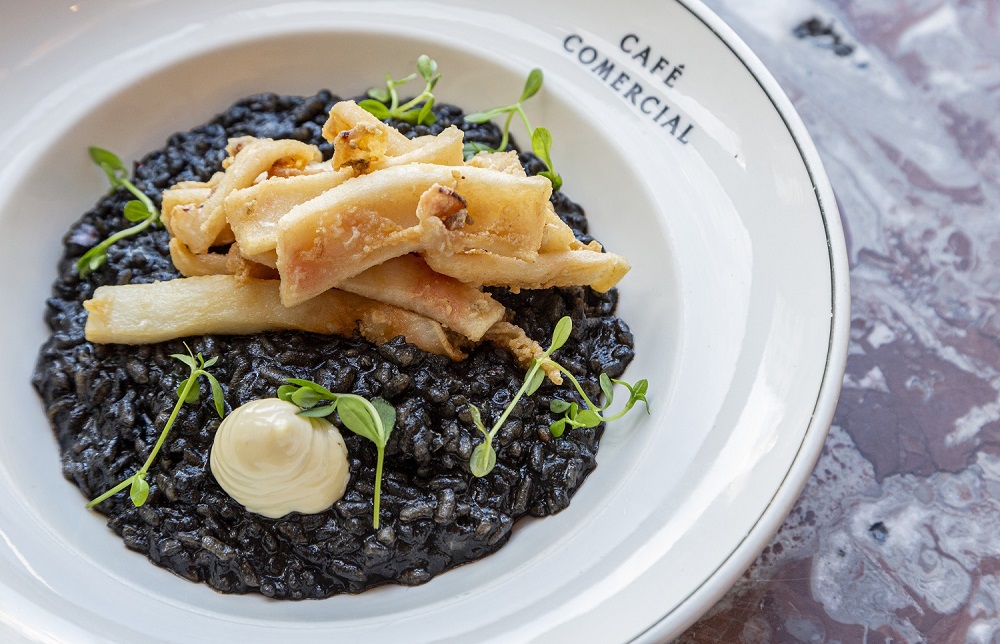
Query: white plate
x,y
738,299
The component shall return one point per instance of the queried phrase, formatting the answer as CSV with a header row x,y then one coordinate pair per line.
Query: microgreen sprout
x,y
372,419
187,392
484,456
383,103
590,416
140,211
541,138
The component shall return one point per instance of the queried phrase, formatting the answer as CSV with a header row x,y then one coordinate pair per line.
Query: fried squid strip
x,y
556,235
361,148
346,115
182,198
584,267
407,282
253,212
499,161
365,149
146,313
441,149
372,218
254,157
191,265
183,204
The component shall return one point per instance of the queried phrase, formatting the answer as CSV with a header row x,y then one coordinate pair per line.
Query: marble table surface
x,y
896,536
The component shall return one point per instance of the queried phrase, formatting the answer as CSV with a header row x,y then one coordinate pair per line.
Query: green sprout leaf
x,y
477,420
588,418
380,95
217,396
558,406
372,419
383,103
533,379
564,327
483,458
91,261
140,211
187,392
138,491
607,388
426,116
305,398
325,393
472,148
355,417
386,413
541,138
135,211
554,179
189,360
637,394
426,67
110,163
317,412
375,108
488,115
541,145
531,85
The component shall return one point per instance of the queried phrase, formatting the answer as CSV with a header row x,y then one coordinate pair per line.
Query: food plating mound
x,y
107,404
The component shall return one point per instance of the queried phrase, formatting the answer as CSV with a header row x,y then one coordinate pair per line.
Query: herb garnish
x,y
541,138
187,392
484,456
408,112
372,419
140,210
590,416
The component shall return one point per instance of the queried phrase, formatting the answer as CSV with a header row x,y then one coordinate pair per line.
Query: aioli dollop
x,y
274,461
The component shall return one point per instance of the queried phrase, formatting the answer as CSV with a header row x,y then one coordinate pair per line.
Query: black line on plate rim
x,y
833,295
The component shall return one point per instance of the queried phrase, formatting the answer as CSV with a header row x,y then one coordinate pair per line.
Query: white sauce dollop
x,y
274,461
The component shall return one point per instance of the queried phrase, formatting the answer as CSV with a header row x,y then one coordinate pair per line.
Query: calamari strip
x,y
372,218
441,149
183,204
254,157
361,148
499,161
191,265
146,313
365,149
583,267
346,115
211,183
253,212
180,198
407,282
557,235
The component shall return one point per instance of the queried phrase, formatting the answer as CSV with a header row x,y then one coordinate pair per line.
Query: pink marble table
x,y
897,534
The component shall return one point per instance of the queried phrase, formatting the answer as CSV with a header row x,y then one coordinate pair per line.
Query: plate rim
x,y
728,572
814,434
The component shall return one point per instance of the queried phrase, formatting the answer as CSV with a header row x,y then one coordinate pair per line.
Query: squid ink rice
x,y
108,403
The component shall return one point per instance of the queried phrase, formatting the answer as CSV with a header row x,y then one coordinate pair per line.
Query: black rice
x,y
107,404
